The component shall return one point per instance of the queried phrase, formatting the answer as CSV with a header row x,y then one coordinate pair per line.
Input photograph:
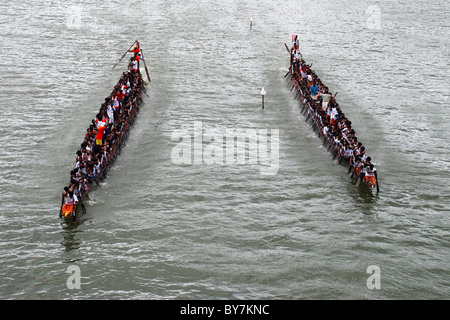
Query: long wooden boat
x,y
105,136
324,114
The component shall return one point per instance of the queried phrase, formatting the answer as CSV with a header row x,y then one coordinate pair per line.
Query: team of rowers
x,y
104,136
329,120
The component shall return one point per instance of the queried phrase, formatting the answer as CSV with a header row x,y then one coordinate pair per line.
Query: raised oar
x,y
287,48
124,54
145,65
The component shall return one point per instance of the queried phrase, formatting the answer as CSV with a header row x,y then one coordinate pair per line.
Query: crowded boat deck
x,y
105,135
324,114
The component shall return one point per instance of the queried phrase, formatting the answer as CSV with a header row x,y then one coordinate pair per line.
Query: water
x,y
159,230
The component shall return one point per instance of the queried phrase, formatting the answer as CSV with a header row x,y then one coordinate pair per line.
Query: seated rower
x,y
309,78
325,97
70,202
314,90
347,153
370,176
303,69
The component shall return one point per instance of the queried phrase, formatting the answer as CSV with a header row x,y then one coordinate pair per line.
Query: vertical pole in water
x,y
263,93
251,23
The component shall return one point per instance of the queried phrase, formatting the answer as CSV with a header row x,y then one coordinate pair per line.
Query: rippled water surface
x,y
156,229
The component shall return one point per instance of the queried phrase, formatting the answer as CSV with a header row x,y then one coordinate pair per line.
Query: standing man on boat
x,y
136,49
135,63
99,136
110,113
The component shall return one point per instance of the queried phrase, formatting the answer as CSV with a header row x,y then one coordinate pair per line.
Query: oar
x,y
124,54
60,210
83,207
376,180
287,48
74,213
145,65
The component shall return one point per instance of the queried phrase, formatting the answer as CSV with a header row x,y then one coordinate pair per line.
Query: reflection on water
x,y
71,233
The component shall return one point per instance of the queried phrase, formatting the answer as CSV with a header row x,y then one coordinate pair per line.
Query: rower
x,y
115,103
136,48
120,96
326,96
99,120
362,153
110,113
295,42
370,175
135,63
314,90
303,69
333,116
70,203
99,136
347,154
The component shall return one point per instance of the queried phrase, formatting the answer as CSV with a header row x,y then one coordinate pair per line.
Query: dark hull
x,y
126,127
312,120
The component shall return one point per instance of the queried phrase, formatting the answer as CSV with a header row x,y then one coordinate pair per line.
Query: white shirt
x,y
68,200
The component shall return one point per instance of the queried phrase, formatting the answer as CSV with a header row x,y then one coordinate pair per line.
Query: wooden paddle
x,y
124,54
145,65
60,210
287,48
74,213
376,179
83,207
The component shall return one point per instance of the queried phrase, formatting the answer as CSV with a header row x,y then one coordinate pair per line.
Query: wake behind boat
x,y
105,135
327,119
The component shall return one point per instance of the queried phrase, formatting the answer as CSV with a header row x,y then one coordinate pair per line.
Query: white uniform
x,y
110,113
68,200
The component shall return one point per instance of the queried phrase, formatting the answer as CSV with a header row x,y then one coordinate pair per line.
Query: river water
x,y
156,228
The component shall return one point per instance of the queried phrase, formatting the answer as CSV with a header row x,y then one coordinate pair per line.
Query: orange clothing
x,y
370,181
67,210
100,132
136,48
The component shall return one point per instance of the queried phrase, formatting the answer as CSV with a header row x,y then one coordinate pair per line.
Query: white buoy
x,y
263,93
